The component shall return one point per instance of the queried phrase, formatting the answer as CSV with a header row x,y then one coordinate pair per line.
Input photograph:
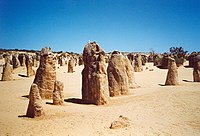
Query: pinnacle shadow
x,y
77,101
187,80
22,116
188,66
25,96
21,75
161,67
161,84
50,103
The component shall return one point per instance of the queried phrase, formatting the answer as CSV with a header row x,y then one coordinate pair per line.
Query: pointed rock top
x,y
46,51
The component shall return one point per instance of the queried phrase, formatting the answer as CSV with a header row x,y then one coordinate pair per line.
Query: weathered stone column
x,y
22,59
15,61
35,108
172,75
7,72
130,73
71,66
58,94
117,76
94,76
46,74
138,63
80,62
35,62
61,61
196,69
29,66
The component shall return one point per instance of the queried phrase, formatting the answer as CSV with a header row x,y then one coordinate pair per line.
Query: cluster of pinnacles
x,y
99,81
98,84
172,75
15,61
45,85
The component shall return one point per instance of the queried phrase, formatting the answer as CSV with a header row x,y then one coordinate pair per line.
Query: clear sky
x,y
125,25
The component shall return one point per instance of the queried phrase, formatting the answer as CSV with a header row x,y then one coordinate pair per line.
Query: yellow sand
x,y
153,109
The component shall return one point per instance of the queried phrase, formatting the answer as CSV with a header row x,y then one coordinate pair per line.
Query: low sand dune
x,y
153,109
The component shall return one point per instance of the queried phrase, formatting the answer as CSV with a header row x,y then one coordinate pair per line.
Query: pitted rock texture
x,y
94,75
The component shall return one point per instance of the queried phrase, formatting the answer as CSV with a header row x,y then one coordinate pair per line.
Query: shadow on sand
x,y
187,80
22,75
50,103
161,67
25,96
188,66
161,84
23,116
77,101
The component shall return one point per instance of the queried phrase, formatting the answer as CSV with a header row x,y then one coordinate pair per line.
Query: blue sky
x,y
125,25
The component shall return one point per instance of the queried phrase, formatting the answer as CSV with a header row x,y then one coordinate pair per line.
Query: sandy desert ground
x,y
153,109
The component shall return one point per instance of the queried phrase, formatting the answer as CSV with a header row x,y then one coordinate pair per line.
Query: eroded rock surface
x,y
94,75
7,72
71,66
58,94
138,63
196,69
172,75
35,108
122,122
29,66
46,74
117,76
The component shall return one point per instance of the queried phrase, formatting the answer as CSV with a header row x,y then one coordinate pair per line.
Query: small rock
x,y
122,122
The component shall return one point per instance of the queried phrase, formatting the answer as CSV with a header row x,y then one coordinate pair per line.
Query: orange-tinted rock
x,y
35,108
22,59
130,73
138,63
58,94
172,75
35,62
80,62
7,72
46,74
94,75
15,61
122,122
117,76
196,69
61,61
29,66
71,66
